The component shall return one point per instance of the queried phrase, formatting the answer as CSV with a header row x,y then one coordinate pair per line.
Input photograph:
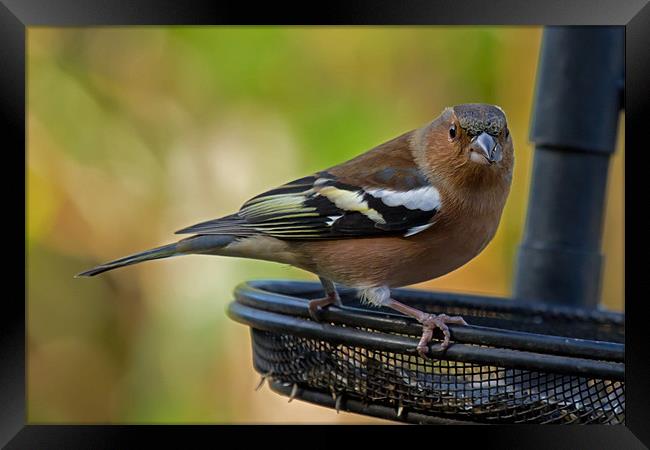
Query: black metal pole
x,y
575,118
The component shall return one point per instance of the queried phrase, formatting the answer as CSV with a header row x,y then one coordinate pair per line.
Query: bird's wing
x,y
322,206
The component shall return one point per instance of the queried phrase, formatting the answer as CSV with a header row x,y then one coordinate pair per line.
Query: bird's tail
x,y
194,244
155,253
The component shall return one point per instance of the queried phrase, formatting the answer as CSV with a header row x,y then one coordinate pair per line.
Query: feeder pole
x,y
577,103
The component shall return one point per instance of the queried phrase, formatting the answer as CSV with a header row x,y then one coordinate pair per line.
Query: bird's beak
x,y
485,145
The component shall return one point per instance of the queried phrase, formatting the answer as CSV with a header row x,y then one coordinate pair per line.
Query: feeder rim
x,y
259,295
432,297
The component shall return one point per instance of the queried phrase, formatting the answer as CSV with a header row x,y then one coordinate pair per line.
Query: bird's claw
x,y
314,311
315,307
429,323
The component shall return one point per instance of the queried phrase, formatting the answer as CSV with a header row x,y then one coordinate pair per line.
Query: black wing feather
x,y
307,208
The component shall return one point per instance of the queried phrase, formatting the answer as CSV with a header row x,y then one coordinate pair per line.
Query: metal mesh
x,y
458,390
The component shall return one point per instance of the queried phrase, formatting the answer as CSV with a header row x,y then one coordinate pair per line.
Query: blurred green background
x,y
134,133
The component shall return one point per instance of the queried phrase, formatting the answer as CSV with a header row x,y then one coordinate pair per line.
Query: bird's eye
x,y
452,131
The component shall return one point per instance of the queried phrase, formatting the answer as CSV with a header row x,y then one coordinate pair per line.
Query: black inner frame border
x,y
16,15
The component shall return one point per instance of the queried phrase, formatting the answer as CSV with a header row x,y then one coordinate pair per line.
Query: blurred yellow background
x,y
134,133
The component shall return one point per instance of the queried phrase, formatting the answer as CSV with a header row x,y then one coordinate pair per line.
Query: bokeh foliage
x,y
136,132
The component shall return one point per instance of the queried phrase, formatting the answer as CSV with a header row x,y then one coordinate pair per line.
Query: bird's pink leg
x,y
332,297
429,323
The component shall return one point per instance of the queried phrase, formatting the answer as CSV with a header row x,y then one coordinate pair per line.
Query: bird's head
x,y
467,143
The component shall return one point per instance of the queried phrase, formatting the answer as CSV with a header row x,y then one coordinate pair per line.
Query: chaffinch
x,y
409,210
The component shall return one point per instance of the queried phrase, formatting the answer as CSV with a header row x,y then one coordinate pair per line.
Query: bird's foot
x,y
429,323
315,306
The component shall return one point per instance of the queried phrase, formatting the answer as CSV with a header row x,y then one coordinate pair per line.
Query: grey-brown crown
x,y
476,118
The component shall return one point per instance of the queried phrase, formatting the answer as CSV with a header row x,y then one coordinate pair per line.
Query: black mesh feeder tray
x,y
514,363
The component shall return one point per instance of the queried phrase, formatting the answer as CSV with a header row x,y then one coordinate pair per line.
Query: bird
x,y
406,211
